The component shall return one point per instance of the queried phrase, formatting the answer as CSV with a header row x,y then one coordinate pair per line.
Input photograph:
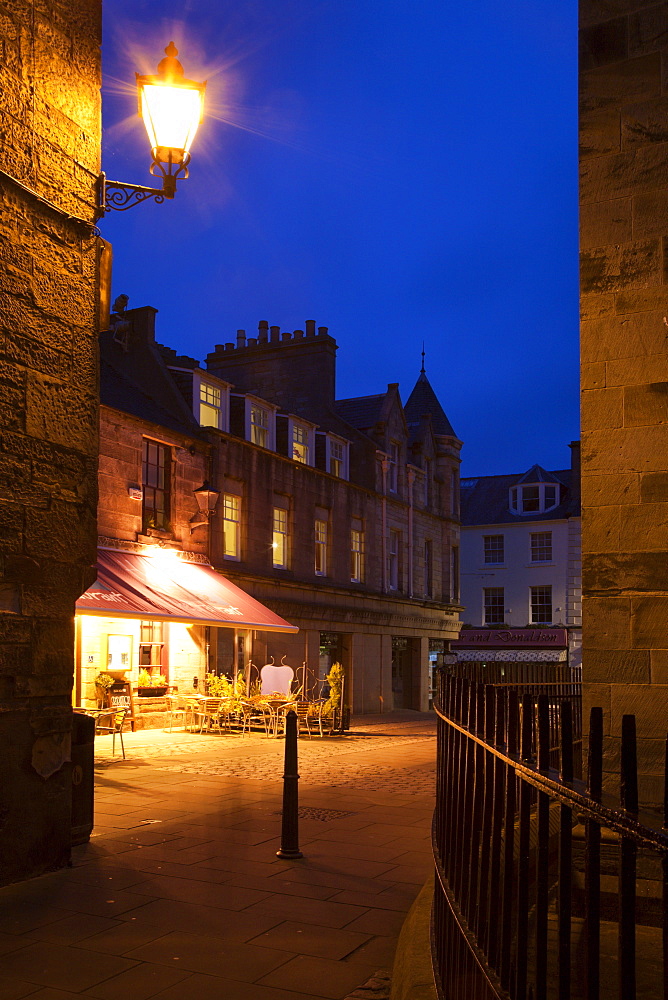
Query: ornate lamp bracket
x,y
120,197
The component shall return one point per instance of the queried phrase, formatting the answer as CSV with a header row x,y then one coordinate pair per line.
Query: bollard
x,y
290,824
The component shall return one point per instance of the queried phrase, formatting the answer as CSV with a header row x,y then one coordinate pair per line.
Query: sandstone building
x,y
50,263
623,230
341,517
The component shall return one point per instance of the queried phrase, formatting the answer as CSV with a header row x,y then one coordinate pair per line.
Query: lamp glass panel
x,y
171,115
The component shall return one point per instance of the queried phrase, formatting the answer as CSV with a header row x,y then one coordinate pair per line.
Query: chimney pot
x,y
310,328
275,333
298,334
286,335
252,341
229,347
322,331
241,338
219,347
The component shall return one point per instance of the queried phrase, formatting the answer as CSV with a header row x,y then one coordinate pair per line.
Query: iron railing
x,y
536,872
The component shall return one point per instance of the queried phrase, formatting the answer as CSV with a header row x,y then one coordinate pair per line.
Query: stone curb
x,y
412,977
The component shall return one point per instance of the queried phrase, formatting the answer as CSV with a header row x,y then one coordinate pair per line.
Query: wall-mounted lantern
x,y
207,499
172,108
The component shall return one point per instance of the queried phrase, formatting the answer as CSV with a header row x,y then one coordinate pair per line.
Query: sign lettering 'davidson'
x,y
511,638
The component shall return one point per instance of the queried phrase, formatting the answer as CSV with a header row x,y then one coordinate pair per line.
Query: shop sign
x,y
511,638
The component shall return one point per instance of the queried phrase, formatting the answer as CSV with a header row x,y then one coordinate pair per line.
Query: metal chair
x,y
302,710
116,721
176,707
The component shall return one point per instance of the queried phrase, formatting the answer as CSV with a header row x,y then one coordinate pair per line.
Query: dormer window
x,y
337,457
300,443
259,425
212,405
534,498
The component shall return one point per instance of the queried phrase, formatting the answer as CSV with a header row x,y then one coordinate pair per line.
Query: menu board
x,y
119,695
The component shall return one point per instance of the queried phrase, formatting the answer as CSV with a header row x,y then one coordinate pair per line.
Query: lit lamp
x,y
207,500
172,108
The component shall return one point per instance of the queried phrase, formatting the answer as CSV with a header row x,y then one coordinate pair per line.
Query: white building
x,y
520,559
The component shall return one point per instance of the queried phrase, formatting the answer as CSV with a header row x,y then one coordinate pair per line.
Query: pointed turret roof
x,y
423,400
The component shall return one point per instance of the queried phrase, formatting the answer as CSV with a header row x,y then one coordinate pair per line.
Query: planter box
x,y
152,692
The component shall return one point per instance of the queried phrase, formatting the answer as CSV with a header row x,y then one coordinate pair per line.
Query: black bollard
x,y
290,825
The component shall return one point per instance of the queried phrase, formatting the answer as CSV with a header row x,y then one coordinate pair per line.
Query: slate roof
x,y
423,400
138,383
362,412
485,500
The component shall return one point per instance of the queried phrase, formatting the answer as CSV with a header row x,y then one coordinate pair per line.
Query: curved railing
x,y
535,871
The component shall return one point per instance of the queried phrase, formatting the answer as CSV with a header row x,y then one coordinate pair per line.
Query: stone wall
x,y
624,297
49,268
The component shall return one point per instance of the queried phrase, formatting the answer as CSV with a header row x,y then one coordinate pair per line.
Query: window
x,y
494,605
156,477
357,554
534,499
454,572
394,549
279,542
541,605
151,645
428,568
392,476
300,451
541,546
336,458
259,425
209,405
320,547
494,550
231,526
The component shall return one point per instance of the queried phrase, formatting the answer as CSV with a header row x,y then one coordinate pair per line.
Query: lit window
x,y
231,526
394,549
300,443
336,458
151,645
209,405
541,605
494,549
156,478
320,547
280,538
541,546
259,425
357,555
494,605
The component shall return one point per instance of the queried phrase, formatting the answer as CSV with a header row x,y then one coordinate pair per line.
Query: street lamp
x,y
172,107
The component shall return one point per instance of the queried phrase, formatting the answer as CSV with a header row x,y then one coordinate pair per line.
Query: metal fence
x,y
538,876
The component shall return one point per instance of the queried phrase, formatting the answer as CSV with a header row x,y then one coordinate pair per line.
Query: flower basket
x,y
152,692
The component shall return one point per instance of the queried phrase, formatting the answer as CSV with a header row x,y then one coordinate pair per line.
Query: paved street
x,y
180,894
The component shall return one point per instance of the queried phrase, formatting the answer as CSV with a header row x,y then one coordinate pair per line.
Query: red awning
x,y
162,587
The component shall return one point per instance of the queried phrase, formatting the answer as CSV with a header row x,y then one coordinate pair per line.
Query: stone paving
x,y
180,893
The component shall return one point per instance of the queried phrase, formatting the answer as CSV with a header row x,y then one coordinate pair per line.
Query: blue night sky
x,y
399,171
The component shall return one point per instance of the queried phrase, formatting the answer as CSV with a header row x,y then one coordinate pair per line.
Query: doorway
x,y
405,673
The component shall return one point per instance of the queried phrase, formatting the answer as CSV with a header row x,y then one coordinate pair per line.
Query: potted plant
x,y
151,686
103,682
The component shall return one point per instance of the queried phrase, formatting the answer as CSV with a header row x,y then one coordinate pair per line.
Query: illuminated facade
x,y
51,263
340,517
